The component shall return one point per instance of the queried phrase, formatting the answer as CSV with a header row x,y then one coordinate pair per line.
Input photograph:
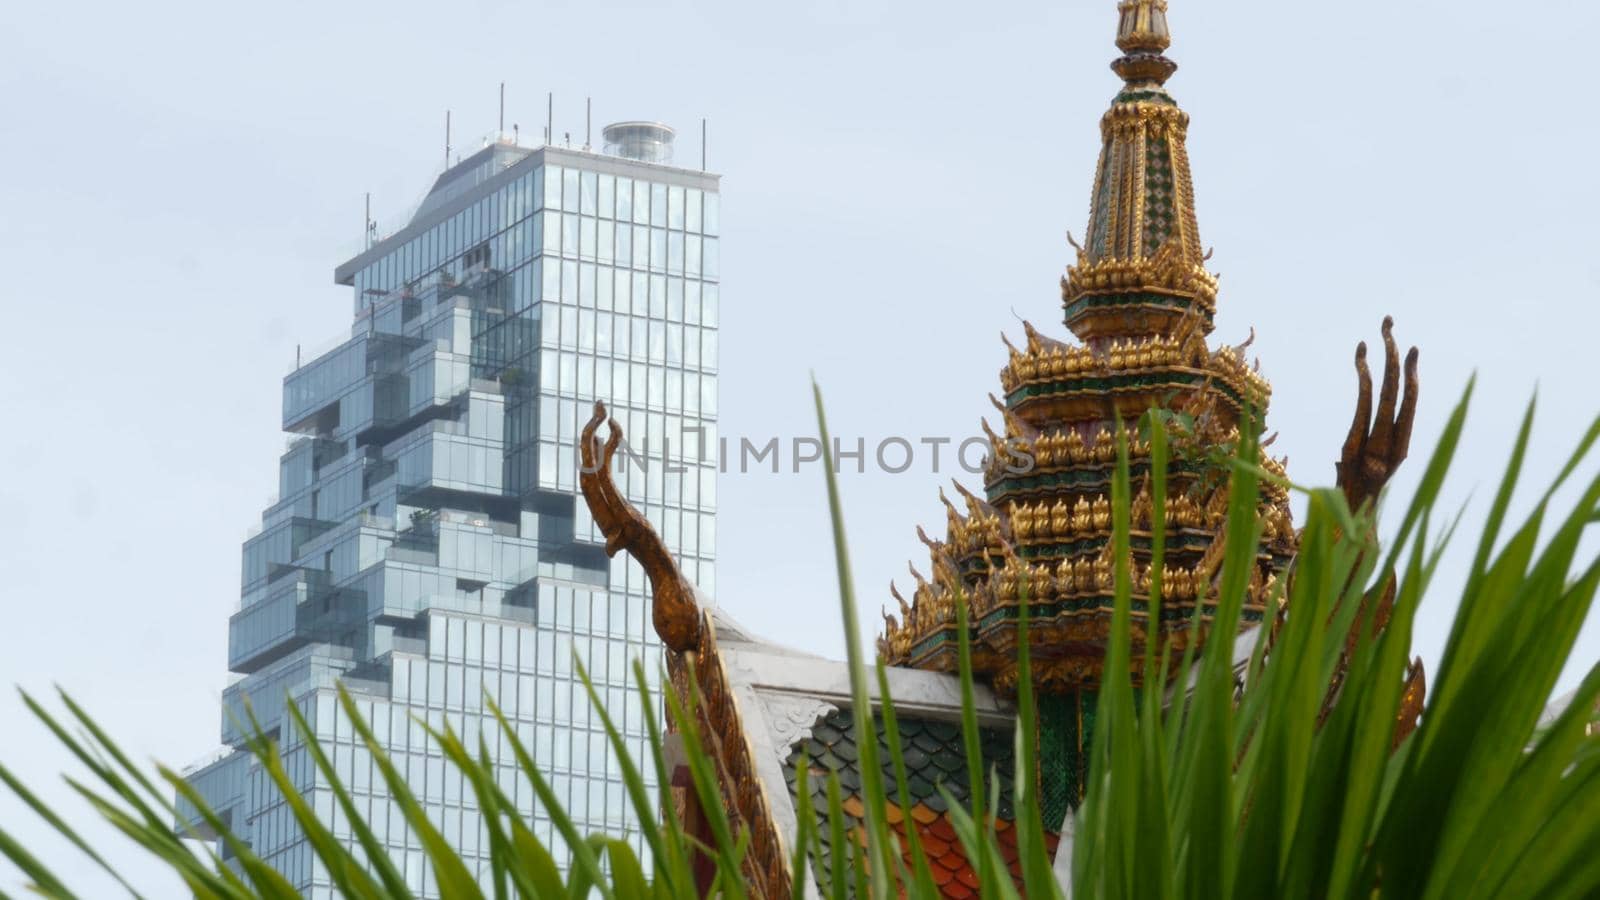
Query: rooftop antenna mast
x,y
502,128
588,118
366,225
550,118
447,139
702,145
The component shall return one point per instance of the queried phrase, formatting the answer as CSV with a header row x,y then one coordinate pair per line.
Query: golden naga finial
x,y
1142,35
1039,342
905,608
1016,426
1375,448
673,609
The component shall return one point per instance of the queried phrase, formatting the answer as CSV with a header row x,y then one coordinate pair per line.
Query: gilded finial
x,y
954,515
1142,35
1143,26
905,608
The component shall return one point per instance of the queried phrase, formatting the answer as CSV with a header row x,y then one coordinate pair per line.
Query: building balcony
x,y
301,608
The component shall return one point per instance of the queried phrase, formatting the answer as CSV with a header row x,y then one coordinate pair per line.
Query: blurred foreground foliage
x,y
1260,783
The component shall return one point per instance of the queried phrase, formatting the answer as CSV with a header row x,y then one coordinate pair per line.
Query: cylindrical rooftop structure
x,y
644,141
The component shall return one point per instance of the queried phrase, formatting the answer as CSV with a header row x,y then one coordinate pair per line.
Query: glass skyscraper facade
x,y
429,547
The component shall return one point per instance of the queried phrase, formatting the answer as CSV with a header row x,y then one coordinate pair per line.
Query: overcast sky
x,y
180,179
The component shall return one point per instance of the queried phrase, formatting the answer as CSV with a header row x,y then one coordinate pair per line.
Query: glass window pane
x,y
569,235
553,178
552,232
658,205
640,340
641,202
692,210
691,254
675,208
691,347
675,299
586,282
569,281
624,199
708,405
710,265
691,303
658,342
624,290
713,214
619,332
569,190
551,287
641,247
624,246
586,237
675,252
658,249
708,315
590,185
658,297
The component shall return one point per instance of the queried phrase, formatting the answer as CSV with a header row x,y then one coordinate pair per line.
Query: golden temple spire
x,y
1142,269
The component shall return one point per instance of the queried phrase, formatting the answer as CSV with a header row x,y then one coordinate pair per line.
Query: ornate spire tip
x,y
1142,35
1143,27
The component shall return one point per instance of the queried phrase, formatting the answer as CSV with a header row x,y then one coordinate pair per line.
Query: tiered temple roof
x,y
1139,301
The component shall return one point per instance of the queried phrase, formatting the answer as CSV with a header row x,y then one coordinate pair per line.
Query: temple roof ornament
x,y
673,610
1142,261
1143,36
1375,448
1143,28
1140,302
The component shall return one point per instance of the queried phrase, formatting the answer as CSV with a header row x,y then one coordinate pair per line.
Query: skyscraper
x,y
428,547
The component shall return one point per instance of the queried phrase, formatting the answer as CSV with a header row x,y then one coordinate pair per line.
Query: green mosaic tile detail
x,y
1106,384
1090,302
1081,478
1059,765
1099,233
1161,98
933,642
1103,602
1160,196
1177,543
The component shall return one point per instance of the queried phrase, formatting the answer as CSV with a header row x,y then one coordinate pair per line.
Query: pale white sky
x,y
180,179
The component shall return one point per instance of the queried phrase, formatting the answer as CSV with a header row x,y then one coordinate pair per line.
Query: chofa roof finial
x,y
673,609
